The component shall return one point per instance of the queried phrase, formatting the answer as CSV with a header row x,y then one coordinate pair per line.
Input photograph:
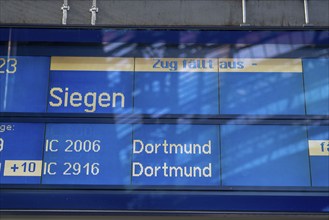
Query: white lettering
x,y
90,100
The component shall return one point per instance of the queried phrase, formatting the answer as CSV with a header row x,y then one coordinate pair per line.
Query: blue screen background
x,y
264,155
316,75
26,89
176,93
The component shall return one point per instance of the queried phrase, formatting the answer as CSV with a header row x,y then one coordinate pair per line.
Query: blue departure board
x,y
161,111
158,86
164,155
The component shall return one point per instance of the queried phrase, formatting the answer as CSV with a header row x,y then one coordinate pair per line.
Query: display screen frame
x,y
15,198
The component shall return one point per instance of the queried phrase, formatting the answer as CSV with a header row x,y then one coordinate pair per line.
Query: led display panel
x,y
164,111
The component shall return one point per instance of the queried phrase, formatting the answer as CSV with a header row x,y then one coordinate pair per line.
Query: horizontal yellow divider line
x,y
318,147
92,63
260,65
176,65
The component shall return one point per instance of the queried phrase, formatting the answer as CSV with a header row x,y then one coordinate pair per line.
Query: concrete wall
x,y
287,13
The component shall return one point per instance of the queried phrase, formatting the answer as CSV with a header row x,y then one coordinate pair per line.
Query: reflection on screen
x,y
161,109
